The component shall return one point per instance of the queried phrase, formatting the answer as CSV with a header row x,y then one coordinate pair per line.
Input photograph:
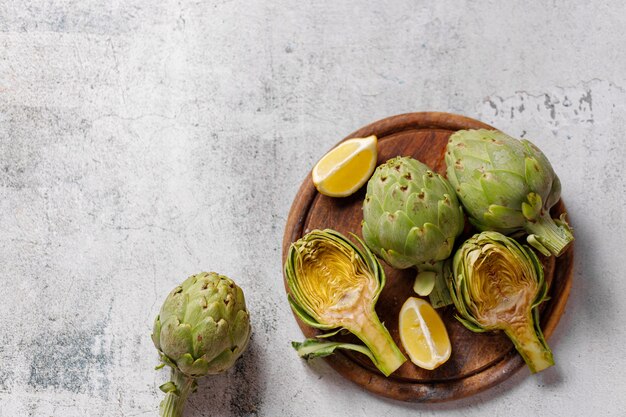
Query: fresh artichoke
x,y
497,285
507,185
334,284
202,328
411,217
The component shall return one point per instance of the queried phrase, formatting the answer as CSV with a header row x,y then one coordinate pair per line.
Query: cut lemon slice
x,y
423,334
343,170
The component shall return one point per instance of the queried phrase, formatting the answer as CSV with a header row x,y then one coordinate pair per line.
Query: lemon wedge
x,y
423,334
343,170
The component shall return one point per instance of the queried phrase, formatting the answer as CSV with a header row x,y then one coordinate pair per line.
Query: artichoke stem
x,y
377,338
174,402
530,344
550,235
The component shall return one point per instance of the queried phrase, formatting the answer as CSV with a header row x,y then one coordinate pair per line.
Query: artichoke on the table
x,y
497,284
411,217
202,328
334,285
507,185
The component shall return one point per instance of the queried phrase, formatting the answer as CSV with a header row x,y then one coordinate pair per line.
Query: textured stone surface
x,y
143,141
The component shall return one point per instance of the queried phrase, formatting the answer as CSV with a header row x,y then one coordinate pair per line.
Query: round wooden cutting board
x,y
478,361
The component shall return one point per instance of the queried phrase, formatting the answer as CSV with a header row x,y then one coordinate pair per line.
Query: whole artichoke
x,y
507,185
497,284
202,328
411,217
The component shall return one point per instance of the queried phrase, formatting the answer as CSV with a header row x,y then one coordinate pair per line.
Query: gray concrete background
x,y
143,141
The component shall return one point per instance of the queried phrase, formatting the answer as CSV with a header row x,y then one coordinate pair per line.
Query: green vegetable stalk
x,y
507,185
334,284
497,284
411,217
202,328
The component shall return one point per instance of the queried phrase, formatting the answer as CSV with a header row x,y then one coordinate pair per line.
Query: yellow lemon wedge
x,y
423,334
344,169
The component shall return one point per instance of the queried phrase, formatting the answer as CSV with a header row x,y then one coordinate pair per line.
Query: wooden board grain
x,y
478,361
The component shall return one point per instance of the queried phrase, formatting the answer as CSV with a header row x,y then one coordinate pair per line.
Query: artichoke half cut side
x,y
497,284
334,285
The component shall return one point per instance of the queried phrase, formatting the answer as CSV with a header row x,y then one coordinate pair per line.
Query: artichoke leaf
x,y
532,207
533,240
473,198
424,282
502,187
393,230
313,348
339,331
168,387
502,218
535,173
555,193
397,259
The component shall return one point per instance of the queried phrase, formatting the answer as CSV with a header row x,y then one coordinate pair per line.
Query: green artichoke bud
x,y
497,285
411,217
202,328
334,284
507,185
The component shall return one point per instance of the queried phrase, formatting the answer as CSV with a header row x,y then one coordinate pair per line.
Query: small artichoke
x,y
334,285
497,284
507,185
202,328
411,217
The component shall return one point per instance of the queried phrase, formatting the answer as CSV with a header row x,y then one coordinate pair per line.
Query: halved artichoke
x,y
497,285
507,185
334,284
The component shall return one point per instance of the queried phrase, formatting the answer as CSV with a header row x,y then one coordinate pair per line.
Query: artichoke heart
x,y
334,284
507,185
411,217
497,284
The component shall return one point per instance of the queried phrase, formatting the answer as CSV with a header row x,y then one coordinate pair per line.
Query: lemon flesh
x,y
423,334
346,168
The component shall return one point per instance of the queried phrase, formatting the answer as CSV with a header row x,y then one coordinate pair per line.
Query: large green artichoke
x,y
497,285
507,185
411,217
202,328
